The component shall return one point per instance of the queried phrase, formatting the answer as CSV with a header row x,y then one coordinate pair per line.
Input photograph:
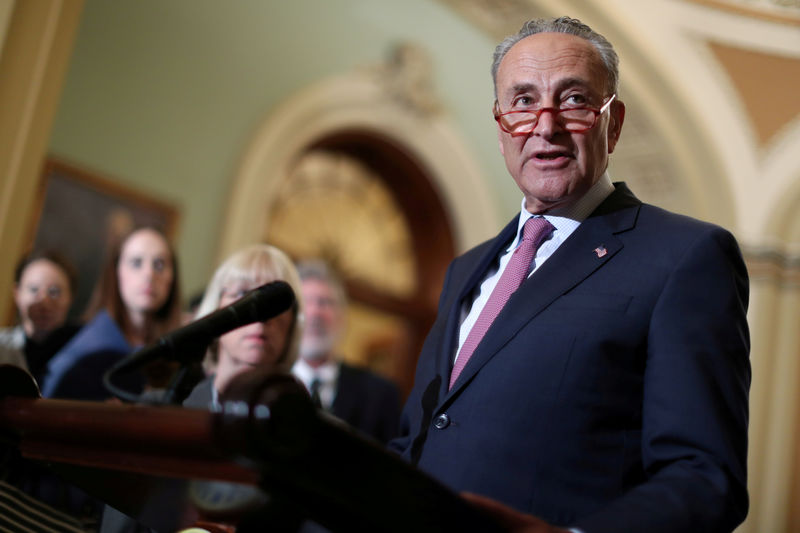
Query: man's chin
x,y
252,359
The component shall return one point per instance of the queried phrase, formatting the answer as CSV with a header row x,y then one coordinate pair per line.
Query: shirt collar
x,y
326,373
569,217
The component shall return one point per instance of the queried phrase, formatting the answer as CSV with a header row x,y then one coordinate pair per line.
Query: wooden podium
x,y
265,461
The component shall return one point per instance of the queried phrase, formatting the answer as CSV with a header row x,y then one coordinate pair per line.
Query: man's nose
x,y
313,311
548,123
313,304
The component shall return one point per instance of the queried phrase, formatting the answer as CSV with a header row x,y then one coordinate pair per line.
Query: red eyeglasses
x,y
573,119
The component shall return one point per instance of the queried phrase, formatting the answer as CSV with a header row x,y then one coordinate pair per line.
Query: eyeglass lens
x,y
569,119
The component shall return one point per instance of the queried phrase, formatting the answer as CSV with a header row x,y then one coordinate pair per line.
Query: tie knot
x,y
536,229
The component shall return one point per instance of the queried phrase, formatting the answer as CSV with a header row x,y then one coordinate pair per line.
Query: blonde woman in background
x,y
270,344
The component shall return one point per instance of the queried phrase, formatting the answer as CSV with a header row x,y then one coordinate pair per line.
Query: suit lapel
x,y
345,394
590,247
465,289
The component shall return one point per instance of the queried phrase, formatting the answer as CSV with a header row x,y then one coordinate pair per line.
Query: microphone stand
x,y
189,374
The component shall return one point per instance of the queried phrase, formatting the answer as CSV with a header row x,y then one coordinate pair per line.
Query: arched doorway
x,y
360,201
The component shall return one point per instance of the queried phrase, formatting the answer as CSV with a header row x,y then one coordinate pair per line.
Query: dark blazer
x,y
367,402
201,395
611,392
76,371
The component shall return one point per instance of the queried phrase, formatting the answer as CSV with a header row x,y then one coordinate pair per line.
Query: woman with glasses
x,y
44,285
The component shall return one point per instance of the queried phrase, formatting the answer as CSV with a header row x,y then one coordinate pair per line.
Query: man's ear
x,y
500,132
617,117
500,140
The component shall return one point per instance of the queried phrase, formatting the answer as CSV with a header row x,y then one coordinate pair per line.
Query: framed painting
x,y
81,214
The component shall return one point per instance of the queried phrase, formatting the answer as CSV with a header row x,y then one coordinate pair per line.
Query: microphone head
x,y
265,302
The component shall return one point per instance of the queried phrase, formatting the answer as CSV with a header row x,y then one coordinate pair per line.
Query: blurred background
x,y
361,131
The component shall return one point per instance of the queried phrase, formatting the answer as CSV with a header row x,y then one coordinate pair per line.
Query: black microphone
x,y
187,343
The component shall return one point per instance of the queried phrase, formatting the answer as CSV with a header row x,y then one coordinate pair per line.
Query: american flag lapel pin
x,y
600,251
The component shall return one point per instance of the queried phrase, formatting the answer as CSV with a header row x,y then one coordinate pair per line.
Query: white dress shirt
x,y
327,374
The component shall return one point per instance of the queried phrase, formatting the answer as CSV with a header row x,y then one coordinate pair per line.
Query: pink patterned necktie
x,y
535,231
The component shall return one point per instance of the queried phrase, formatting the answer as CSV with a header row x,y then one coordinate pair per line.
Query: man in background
x,y
357,396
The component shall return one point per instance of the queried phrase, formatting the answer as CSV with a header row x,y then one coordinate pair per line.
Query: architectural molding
x,y
357,100
407,77
773,265
782,11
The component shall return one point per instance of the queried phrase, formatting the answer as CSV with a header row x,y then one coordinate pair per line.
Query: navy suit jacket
x,y
367,402
76,371
611,392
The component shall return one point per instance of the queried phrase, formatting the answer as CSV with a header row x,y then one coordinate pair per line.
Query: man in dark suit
x,y
606,391
361,398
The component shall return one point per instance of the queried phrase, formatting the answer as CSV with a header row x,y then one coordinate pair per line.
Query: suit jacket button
x,y
441,421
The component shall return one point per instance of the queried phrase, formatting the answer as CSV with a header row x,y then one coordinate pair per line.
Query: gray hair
x,y
318,270
569,26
